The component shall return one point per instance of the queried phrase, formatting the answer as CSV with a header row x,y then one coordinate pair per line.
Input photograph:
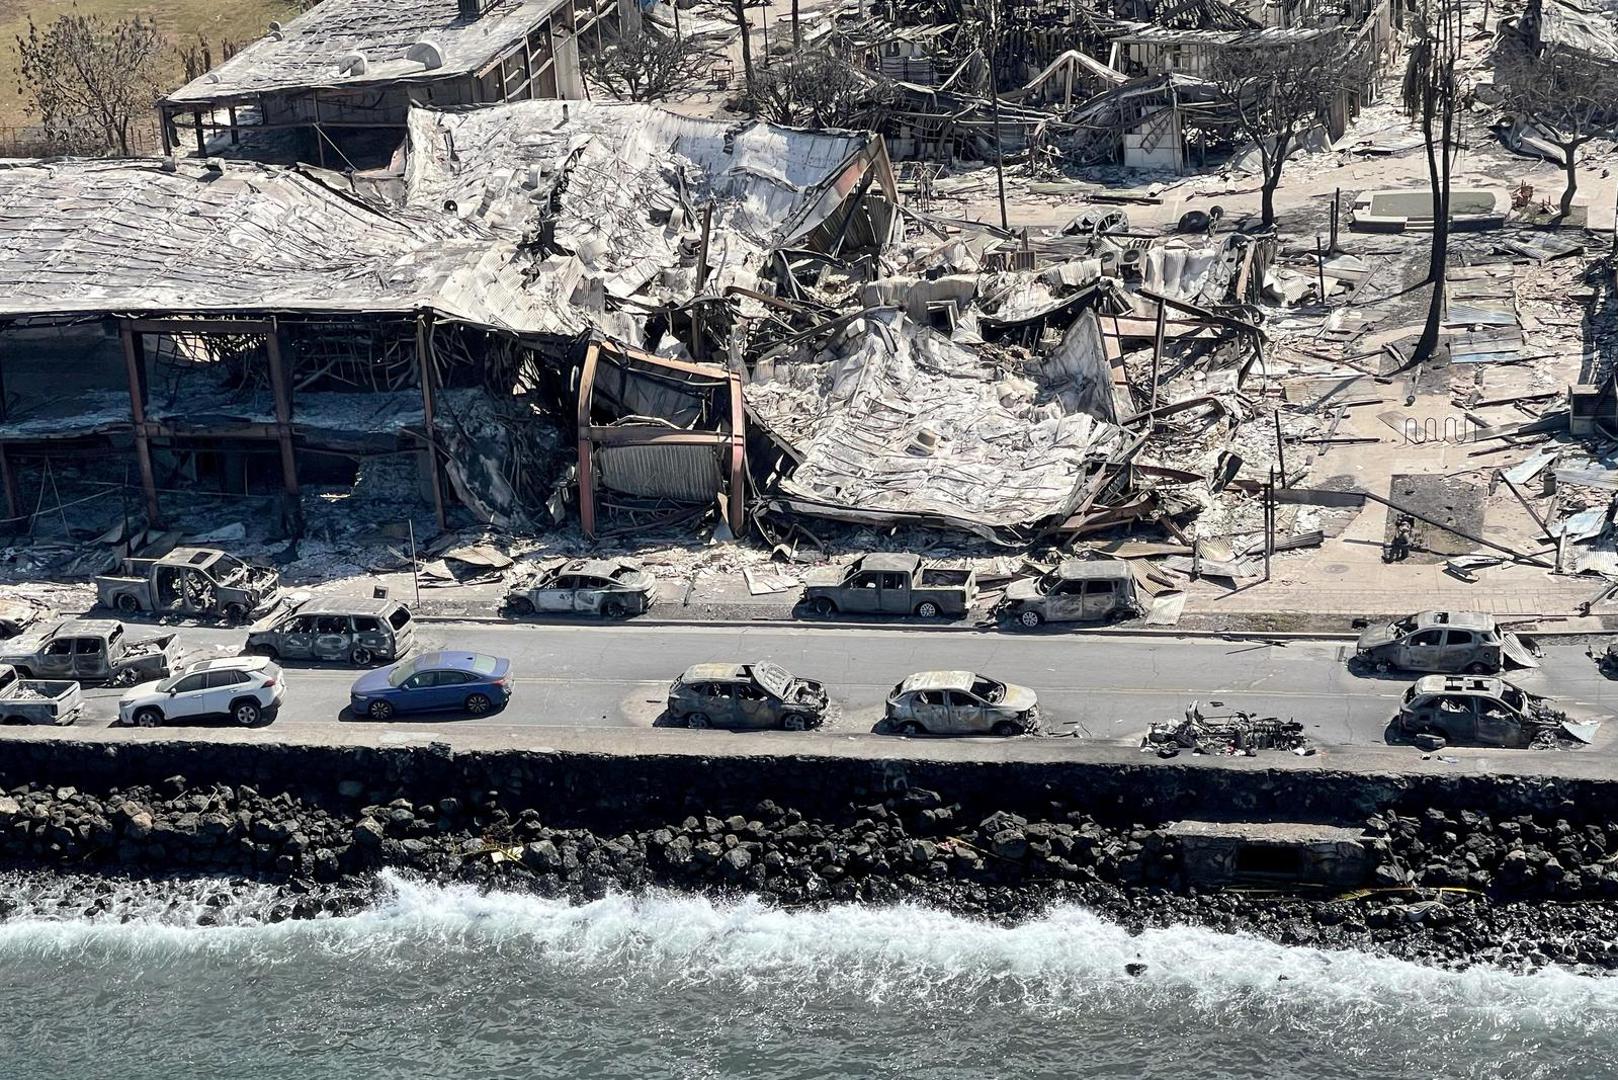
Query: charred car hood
x,y
1374,637
1018,698
1022,590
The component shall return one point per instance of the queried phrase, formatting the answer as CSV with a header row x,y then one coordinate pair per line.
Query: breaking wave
x,y
1058,965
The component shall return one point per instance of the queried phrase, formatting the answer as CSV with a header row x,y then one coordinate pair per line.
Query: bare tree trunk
x,y
1570,154
1267,201
739,7
797,35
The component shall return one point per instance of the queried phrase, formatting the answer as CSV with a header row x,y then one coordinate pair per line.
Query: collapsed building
x,y
1078,84
336,84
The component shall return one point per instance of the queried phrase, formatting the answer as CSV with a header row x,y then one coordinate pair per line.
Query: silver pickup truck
x,y
882,584
91,651
33,701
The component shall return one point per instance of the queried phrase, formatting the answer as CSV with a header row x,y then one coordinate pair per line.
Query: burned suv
x,y
1444,641
752,696
1482,712
353,631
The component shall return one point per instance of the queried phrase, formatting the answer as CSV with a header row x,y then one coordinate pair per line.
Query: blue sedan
x,y
433,682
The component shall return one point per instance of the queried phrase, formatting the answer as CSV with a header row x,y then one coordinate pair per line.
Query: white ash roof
x,y
136,237
307,51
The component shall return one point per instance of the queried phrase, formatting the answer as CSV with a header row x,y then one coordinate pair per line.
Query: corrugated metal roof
x,y
307,50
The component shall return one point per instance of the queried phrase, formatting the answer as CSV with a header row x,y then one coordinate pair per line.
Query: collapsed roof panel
x,y
905,425
136,236
621,189
395,40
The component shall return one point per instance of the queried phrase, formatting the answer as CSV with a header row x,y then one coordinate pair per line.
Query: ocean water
x,y
435,981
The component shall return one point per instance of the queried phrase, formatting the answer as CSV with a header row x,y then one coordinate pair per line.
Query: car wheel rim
x,y
128,604
696,720
927,611
1030,619
380,711
361,656
795,723
146,720
246,715
477,704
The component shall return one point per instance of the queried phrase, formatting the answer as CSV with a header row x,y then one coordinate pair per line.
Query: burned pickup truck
x,y
890,585
190,581
29,701
91,651
1444,641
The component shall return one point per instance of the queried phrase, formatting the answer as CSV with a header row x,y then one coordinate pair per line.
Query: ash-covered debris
x,y
1234,732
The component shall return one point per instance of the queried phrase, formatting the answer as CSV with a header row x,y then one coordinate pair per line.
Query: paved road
x,y
1105,688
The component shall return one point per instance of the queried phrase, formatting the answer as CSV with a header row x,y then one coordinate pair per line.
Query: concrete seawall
x,y
630,787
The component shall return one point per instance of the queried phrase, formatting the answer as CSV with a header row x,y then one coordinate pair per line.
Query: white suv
x,y
246,689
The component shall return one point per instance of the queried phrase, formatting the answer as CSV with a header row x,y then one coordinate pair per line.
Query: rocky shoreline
x,y
1450,889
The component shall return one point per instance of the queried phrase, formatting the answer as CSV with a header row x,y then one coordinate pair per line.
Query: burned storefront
x,y
178,331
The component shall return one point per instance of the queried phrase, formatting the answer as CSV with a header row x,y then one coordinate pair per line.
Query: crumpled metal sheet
x,y
907,425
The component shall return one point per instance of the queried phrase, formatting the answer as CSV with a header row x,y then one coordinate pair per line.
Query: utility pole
x,y
994,112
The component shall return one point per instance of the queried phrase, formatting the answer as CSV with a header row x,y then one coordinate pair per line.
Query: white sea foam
x,y
1068,959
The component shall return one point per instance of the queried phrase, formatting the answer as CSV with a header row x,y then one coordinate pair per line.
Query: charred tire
x,y
127,603
521,606
927,609
614,609
269,652
823,605
1381,667
697,720
235,613
148,718
125,677
14,721
360,656
25,673
795,722
1006,728
478,704
1479,668
911,727
246,712
379,710
1029,620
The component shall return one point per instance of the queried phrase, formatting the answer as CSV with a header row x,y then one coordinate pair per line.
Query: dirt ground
x,y
181,20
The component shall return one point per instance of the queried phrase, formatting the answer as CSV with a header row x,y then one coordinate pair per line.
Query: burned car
x,y
960,703
190,581
750,696
1078,590
1471,711
1444,641
354,631
612,588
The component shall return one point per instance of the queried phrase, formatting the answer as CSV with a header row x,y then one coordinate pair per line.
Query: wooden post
x,y
1280,449
10,481
1269,522
424,368
699,344
320,149
736,496
134,365
1157,349
281,387
1320,269
587,480
1336,214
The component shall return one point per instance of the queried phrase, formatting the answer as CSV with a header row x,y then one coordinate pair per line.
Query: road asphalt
x,y
1106,690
